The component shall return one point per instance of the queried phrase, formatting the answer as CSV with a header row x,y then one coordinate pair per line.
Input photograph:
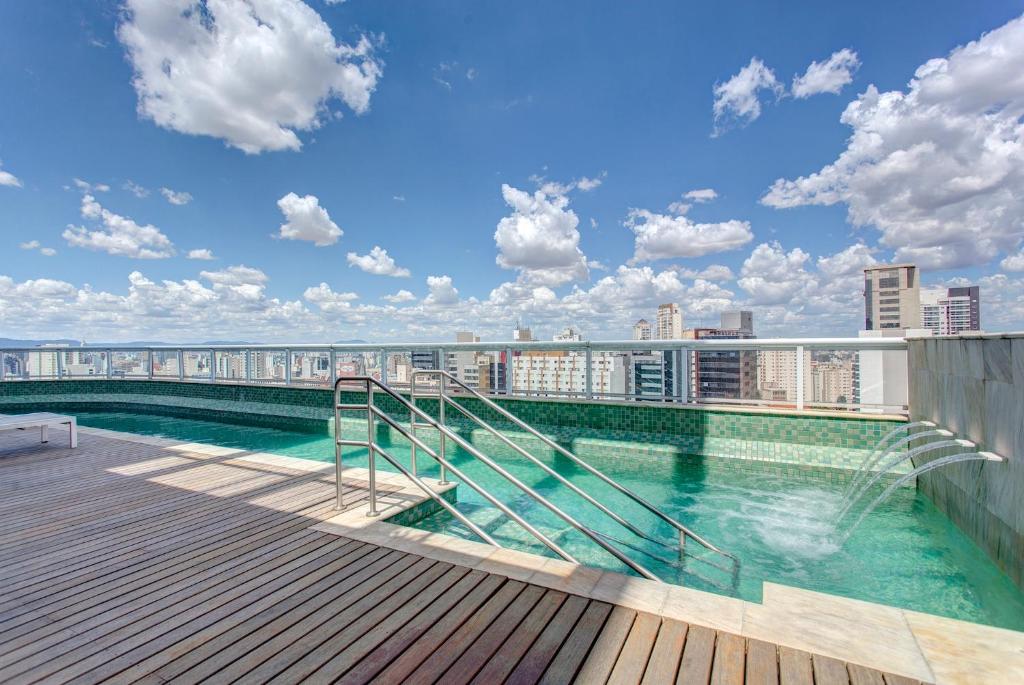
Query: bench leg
x,y
73,432
44,433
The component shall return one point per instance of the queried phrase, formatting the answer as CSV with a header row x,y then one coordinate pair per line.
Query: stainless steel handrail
x,y
683,530
465,445
373,448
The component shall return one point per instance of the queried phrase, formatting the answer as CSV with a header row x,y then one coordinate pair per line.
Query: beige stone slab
x,y
566,576
512,563
635,593
860,632
704,608
960,652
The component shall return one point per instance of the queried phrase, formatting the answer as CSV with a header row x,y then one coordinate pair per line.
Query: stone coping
x,y
912,644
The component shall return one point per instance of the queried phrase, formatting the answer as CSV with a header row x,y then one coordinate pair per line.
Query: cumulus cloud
x,y
1013,262
400,297
8,179
250,73
378,262
714,272
660,236
201,253
541,237
442,292
827,77
772,276
937,168
175,197
117,235
87,187
328,300
305,219
738,100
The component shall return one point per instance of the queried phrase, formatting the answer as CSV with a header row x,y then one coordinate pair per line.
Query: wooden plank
x,y
535,662
829,671
762,663
605,650
698,654
632,661
93,648
730,660
406,649
263,645
575,647
795,666
860,675
259,631
504,660
303,638
424,662
475,655
663,665
371,630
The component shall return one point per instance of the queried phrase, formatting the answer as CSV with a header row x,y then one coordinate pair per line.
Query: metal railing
x,y
792,373
444,398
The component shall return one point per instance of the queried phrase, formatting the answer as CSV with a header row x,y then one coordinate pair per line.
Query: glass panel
x,y
267,366
311,367
197,364
129,363
231,365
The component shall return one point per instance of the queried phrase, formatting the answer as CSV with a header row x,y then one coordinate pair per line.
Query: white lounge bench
x,y
43,421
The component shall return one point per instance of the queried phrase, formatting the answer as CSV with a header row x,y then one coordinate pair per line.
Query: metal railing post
x,y
685,371
382,360
799,377
60,364
588,380
248,366
441,399
110,363
371,452
150,374
508,372
180,356
339,503
333,358
412,422
213,366
288,367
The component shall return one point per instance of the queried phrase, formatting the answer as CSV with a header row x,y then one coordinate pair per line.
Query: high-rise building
x,y
725,374
738,321
568,334
776,375
522,333
948,311
670,322
463,364
559,372
892,297
642,330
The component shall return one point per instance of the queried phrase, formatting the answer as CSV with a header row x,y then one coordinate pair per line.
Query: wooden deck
x,y
127,562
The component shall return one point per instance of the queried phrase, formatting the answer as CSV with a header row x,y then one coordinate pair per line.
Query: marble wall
x,y
974,386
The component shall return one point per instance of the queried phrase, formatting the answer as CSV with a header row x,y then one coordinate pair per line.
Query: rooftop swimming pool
x,y
905,554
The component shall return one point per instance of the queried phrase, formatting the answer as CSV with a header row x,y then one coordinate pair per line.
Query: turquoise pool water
x,y
905,554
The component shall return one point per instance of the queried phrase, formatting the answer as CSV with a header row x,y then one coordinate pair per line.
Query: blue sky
x,y
408,122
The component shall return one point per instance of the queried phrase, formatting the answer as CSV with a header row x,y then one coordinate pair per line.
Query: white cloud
x,y
442,292
714,272
827,77
850,261
738,99
119,235
175,197
701,195
587,184
660,236
398,198
1013,262
772,276
305,219
938,168
201,253
250,73
541,237
36,245
399,297
330,301
8,179
471,74
87,187
378,262
135,189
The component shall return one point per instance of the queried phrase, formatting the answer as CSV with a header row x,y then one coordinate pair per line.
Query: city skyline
x,y
758,180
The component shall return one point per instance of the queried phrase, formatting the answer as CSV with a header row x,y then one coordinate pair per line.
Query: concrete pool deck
x,y
136,558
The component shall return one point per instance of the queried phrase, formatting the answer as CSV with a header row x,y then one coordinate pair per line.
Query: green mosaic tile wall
x,y
695,430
